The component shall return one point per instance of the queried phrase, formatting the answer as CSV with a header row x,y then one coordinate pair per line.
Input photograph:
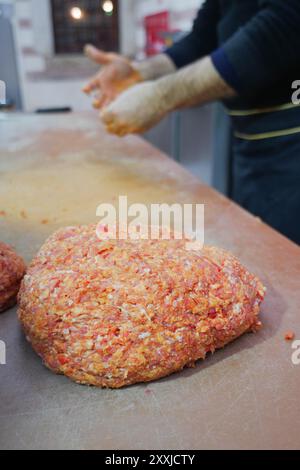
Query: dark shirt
x,y
254,44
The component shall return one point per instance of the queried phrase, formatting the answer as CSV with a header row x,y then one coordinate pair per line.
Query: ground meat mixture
x,y
12,269
115,312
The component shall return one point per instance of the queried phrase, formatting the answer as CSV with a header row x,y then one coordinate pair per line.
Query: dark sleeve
x,y
202,40
265,50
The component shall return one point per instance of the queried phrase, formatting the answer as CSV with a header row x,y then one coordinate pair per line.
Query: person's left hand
x,y
136,110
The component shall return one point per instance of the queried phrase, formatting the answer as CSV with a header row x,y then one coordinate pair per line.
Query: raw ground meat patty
x,y
113,313
12,269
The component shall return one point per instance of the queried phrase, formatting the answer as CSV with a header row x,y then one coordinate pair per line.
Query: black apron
x,y
266,166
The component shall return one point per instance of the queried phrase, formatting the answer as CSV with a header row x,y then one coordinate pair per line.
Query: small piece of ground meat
x,y
12,269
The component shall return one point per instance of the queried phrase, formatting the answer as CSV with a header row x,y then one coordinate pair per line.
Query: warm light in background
x,y
108,6
76,13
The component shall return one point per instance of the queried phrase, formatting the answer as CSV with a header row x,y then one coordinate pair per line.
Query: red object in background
x,y
155,26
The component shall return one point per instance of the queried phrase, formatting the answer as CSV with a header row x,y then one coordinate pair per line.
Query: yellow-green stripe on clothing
x,y
266,167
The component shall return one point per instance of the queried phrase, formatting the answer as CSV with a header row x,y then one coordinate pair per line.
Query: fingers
x,y
123,129
122,124
101,99
115,125
104,97
134,111
99,56
118,117
111,123
96,55
92,85
107,116
120,130
103,80
98,102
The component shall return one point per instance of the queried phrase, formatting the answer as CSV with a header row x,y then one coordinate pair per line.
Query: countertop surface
x,y
54,171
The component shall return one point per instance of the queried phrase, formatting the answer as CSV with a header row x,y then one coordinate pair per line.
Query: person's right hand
x,y
115,76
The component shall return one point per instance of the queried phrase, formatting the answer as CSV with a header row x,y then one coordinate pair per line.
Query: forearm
x,y
144,105
271,42
195,84
155,67
203,38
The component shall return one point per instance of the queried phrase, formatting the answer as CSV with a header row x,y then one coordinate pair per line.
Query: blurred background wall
x,y
52,74
47,69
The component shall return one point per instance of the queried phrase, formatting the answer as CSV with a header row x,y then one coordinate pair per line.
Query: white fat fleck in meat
x,y
144,312
44,295
64,271
89,344
146,334
237,308
187,263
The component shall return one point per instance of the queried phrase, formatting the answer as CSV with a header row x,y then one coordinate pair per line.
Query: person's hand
x,y
136,110
115,76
